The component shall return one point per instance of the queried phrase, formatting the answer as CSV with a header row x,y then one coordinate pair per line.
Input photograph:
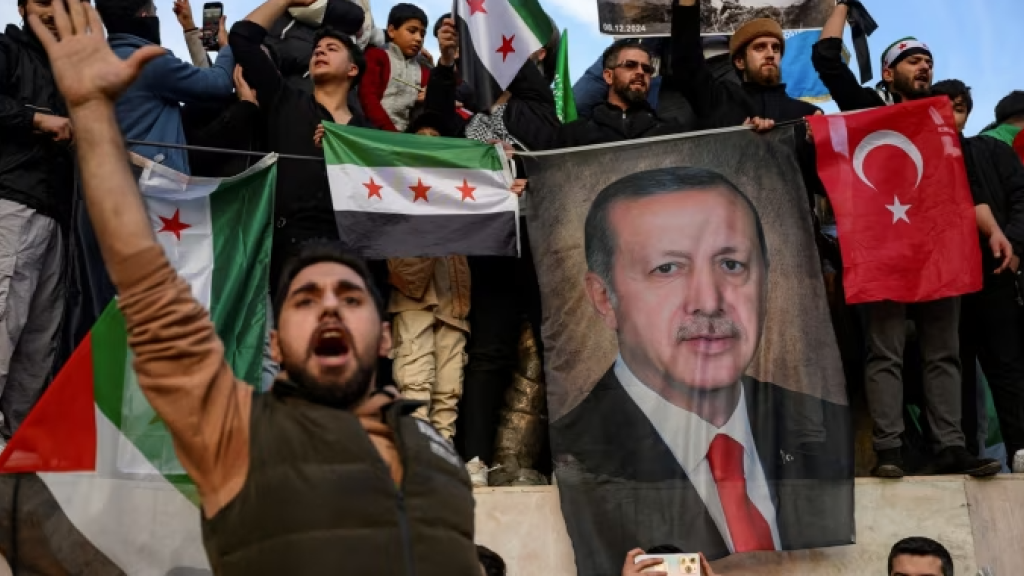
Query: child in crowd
x,y
430,307
395,78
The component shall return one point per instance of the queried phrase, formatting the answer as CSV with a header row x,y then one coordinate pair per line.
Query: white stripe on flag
x,y
184,229
351,189
488,31
142,523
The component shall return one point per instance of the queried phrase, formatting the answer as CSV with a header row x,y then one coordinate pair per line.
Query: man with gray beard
x,y
626,114
678,267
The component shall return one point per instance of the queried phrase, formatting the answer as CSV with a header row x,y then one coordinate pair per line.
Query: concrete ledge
x,y
980,521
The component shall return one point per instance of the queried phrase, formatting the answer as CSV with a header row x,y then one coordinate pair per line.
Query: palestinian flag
x,y
565,100
496,37
405,196
107,484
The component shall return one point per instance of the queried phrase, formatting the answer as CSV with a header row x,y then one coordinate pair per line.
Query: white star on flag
x,y
899,211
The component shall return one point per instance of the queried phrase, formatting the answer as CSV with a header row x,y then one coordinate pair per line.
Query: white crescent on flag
x,y
886,138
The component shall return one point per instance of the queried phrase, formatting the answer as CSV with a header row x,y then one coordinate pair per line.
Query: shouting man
x,y
326,473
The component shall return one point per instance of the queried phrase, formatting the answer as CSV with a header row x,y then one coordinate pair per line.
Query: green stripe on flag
x,y
535,19
242,214
109,359
380,149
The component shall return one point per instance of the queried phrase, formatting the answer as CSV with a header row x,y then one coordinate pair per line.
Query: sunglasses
x,y
633,65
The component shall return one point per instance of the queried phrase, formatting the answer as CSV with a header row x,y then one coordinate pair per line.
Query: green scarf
x,y
1003,133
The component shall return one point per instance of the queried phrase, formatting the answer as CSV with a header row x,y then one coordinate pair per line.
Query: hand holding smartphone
x,y
212,12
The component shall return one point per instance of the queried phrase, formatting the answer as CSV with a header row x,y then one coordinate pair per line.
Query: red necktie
x,y
748,528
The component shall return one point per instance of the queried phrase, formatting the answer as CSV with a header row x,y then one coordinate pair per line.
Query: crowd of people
x,y
455,322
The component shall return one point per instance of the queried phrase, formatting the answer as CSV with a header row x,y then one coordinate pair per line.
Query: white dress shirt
x,y
689,437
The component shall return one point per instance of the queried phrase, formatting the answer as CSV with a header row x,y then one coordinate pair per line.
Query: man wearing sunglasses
x,y
626,114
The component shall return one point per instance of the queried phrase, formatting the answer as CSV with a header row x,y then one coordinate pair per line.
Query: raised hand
x,y
222,32
85,68
448,42
183,11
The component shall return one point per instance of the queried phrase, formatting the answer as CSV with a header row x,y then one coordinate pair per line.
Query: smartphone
x,y
212,11
674,564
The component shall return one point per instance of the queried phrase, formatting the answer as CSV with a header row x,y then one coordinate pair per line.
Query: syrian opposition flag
x,y
895,176
405,196
496,37
93,440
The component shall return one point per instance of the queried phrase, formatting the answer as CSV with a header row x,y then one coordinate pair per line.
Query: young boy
x,y
430,304
395,79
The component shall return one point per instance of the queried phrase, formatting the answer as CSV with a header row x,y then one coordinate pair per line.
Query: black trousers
x,y
503,293
997,323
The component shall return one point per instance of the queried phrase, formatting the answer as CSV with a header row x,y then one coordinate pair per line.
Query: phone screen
x,y
212,12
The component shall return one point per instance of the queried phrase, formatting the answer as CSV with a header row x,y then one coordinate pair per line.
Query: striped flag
x,y
496,37
93,439
404,195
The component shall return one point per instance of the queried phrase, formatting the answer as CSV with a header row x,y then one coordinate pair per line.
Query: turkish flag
x,y
896,179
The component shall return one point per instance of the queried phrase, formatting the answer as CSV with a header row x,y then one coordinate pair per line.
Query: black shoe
x,y
889,464
957,460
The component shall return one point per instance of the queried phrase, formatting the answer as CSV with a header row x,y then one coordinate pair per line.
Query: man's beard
x,y
764,77
628,95
342,395
904,85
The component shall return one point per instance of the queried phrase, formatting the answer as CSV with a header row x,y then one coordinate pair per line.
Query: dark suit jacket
x,y
621,487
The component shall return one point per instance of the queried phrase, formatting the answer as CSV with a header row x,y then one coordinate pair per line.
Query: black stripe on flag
x,y
377,236
485,88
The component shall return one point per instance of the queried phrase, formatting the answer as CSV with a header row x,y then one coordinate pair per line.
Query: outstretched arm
x,y
178,358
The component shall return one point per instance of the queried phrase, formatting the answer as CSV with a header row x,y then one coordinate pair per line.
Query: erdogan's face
x,y
687,292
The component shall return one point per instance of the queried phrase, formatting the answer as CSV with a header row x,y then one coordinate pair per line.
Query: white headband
x,y
902,46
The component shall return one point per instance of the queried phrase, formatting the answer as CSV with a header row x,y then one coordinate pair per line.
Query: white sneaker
x,y
478,473
1018,462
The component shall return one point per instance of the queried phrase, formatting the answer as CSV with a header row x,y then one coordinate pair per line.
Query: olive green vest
x,y
319,499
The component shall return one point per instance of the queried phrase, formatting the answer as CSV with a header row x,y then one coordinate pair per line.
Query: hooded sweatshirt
x,y
150,109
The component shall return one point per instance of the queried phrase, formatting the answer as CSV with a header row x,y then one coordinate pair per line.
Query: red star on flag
x,y
903,46
476,6
174,225
373,189
467,190
419,191
506,46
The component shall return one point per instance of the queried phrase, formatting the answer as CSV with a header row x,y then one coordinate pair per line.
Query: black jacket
x,y
827,57
233,127
609,123
34,170
997,179
621,487
302,202
319,499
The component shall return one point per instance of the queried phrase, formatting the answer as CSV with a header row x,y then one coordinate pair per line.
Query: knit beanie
x,y
1010,106
753,30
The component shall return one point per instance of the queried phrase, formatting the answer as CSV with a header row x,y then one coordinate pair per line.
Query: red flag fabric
x,y
1018,144
896,180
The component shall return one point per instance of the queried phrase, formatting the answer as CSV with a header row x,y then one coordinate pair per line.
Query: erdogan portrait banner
x,y
638,18
695,391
